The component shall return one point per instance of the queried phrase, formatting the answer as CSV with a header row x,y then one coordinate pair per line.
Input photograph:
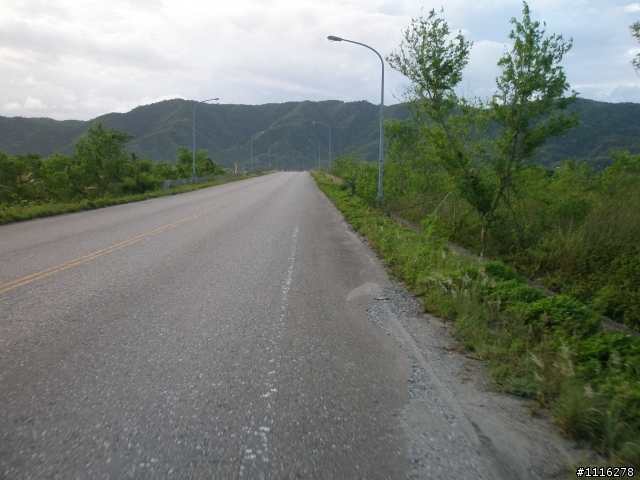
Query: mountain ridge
x,y
225,130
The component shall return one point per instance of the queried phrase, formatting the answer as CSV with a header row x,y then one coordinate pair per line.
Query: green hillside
x,y
225,130
38,135
604,127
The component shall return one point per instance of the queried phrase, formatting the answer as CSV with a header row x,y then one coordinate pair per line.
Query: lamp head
x,y
333,38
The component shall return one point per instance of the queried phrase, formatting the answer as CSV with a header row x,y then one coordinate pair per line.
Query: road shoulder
x,y
456,425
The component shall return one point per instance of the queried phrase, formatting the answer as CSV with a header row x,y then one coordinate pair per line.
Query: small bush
x,y
500,271
565,315
511,292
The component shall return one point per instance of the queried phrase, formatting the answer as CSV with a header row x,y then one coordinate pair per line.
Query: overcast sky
x,y
72,59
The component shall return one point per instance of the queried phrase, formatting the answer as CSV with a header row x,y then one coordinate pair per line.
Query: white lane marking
x,y
286,286
250,455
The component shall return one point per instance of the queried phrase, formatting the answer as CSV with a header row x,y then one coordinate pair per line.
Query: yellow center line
x,y
5,287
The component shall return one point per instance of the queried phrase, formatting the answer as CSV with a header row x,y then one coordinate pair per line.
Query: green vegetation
x,y
479,146
99,173
463,169
15,213
160,130
572,229
635,32
550,349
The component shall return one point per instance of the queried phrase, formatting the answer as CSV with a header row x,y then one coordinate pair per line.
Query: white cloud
x,y
83,59
12,106
34,104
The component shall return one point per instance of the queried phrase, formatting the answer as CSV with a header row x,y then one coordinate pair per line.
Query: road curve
x,y
221,333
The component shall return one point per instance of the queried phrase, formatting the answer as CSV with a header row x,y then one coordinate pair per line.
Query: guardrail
x,y
188,181
229,175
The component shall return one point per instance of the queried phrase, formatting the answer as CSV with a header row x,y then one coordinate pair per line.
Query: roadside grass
x,y
548,349
31,210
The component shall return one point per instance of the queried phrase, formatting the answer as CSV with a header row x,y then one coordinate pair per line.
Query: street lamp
x,y
314,150
333,38
320,123
252,137
314,156
193,173
270,156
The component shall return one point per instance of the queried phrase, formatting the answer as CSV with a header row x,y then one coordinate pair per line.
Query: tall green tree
x,y
530,103
20,178
102,158
10,173
204,164
60,174
481,145
447,122
635,32
140,176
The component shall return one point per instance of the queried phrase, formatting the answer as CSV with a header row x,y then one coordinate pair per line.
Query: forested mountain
x,y
226,130
604,127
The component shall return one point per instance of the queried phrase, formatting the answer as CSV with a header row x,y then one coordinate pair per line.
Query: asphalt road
x,y
221,333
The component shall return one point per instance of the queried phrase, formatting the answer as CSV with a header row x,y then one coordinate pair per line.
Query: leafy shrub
x,y
565,315
495,270
600,346
513,291
500,271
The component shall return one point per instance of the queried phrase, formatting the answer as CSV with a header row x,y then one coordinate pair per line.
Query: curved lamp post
x,y
314,151
252,137
270,155
193,173
320,123
333,38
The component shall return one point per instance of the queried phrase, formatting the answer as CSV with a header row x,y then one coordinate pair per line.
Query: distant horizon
x,y
245,104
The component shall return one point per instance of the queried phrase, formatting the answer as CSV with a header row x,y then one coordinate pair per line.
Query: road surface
x,y
239,331
198,335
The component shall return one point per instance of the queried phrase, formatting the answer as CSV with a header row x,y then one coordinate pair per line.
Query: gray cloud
x,y
89,58
50,46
